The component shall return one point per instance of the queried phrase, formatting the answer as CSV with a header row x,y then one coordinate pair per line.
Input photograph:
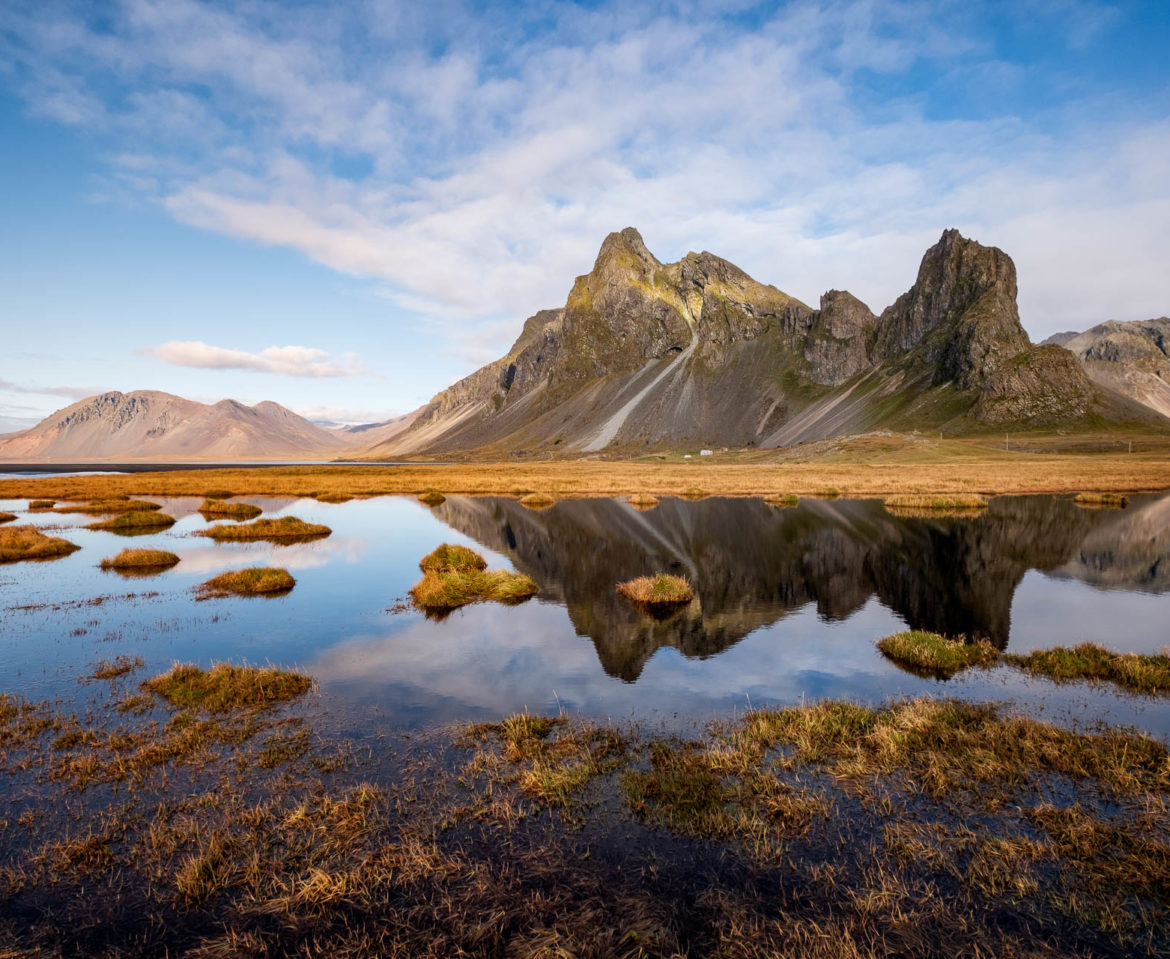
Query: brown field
x,y
862,466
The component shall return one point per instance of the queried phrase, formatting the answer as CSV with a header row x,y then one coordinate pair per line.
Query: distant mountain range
x,y
646,355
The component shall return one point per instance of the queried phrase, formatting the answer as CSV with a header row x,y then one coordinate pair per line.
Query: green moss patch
x,y
1088,661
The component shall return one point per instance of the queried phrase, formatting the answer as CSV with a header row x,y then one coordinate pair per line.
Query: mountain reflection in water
x,y
752,564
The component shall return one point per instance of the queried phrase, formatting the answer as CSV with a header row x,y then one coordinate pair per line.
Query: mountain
x,y
147,424
1132,359
647,355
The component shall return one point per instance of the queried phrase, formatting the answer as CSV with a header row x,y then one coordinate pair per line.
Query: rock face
x,y
148,424
650,355
1132,359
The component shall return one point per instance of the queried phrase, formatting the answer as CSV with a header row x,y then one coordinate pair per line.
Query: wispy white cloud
x,y
279,360
472,183
69,392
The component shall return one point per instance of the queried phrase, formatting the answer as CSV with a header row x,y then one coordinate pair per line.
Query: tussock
x,y
27,542
226,687
139,520
929,654
660,590
141,560
218,509
256,581
276,530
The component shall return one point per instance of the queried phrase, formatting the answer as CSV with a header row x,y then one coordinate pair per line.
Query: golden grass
x,y
944,504
451,557
137,520
284,528
859,466
39,504
141,559
120,666
1102,500
218,509
440,592
255,581
216,493
27,542
431,497
333,497
6,517
694,493
107,507
930,654
226,687
1088,661
537,500
643,501
660,590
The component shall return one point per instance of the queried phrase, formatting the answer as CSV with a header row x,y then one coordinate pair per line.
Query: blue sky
x,y
345,207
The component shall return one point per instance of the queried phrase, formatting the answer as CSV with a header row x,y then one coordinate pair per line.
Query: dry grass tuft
x,y
225,687
643,501
450,557
537,500
218,509
120,666
431,497
929,654
218,494
441,592
287,528
39,504
1088,661
27,542
256,581
694,492
109,507
141,560
6,517
1101,500
660,590
138,520
333,497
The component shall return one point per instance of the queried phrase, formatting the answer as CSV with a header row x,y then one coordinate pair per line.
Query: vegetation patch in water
x,y
39,504
119,666
431,497
783,500
218,509
141,560
643,501
1102,500
930,654
450,590
27,542
107,507
139,520
451,557
218,494
6,517
284,528
662,590
333,497
1088,661
946,503
694,493
256,581
226,687
537,500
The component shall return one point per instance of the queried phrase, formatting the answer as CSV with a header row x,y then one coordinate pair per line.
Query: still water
x,y
789,606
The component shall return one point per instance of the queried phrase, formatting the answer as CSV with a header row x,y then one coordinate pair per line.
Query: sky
x,y
346,207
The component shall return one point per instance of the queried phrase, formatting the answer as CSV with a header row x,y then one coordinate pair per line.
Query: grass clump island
x,y
1101,500
219,509
643,501
39,504
963,505
286,528
932,655
226,687
661,591
783,500
1088,661
134,522
140,561
27,542
106,507
929,654
255,581
6,517
455,576
431,497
